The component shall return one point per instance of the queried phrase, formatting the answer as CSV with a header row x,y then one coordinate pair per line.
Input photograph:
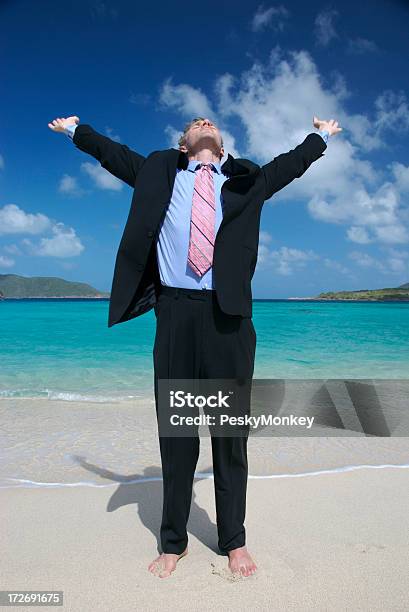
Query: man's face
x,y
203,134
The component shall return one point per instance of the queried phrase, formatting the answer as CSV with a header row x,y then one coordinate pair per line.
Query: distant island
x,y
24,287
398,294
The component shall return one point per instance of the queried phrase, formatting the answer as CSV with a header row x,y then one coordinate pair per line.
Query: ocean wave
x,y
67,396
26,483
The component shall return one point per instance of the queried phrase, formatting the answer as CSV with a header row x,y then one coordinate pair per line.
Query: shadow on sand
x,y
145,490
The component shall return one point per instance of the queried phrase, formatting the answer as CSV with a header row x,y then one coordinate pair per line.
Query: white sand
x,y
335,541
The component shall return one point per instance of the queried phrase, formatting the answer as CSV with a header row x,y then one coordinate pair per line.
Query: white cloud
x,y
358,234
186,99
191,103
275,103
69,186
101,177
335,265
265,237
393,262
63,243
324,27
264,17
13,249
364,260
6,262
14,220
284,260
276,100
375,217
401,175
398,261
173,136
392,110
397,265
391,234
368,132
361,45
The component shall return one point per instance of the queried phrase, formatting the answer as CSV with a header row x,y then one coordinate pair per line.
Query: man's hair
x,y
182,139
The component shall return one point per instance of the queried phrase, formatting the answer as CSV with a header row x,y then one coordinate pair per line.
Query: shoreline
x,y
71,443
29,484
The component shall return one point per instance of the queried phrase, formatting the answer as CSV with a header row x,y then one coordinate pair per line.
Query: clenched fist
x,y
60,124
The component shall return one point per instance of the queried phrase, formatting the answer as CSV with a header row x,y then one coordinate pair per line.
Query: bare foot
x,y
164,565
241,562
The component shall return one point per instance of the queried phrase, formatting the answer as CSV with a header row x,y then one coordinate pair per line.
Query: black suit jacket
x,y
136,276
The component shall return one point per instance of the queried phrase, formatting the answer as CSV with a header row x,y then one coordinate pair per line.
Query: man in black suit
x,y
189,250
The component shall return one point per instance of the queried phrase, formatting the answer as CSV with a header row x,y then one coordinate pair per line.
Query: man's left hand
x,y
330,126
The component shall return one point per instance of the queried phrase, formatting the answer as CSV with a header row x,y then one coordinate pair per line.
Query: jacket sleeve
x,y
286,167
117,158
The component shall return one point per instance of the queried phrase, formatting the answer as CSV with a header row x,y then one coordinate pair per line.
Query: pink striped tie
x,y
202,221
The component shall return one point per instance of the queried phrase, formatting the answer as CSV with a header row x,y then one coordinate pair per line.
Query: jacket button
x,y
139,266
150,234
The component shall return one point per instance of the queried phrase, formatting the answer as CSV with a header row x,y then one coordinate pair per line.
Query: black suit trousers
x,y
195,339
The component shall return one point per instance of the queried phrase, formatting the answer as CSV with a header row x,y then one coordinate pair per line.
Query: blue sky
x,y
138,72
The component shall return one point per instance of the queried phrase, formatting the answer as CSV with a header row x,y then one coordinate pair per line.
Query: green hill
x,y
400,294
14,286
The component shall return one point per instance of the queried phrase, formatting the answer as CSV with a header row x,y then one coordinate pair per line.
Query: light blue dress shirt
x,y
172,241
172,237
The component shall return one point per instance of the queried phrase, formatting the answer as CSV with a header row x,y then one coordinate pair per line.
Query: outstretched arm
x,y
117,158
286,167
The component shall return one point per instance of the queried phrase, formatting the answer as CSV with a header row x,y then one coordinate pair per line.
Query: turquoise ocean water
x,y
64,349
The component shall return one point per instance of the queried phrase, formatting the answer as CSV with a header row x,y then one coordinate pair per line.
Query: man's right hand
x,y
60,124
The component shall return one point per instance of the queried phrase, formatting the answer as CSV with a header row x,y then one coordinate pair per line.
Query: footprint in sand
x,y
228,575
285,574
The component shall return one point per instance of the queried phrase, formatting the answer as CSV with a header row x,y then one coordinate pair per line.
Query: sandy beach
x,y
324,542
81,499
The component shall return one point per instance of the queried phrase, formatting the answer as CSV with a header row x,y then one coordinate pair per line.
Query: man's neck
x,y
205,156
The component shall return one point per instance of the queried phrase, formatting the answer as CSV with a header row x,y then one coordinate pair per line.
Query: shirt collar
x,y
193,163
